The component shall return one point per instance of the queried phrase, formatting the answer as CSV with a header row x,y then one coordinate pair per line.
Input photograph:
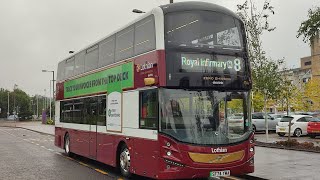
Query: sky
x,y
37,34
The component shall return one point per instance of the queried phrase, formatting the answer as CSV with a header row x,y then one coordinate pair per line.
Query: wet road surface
x,y
29,155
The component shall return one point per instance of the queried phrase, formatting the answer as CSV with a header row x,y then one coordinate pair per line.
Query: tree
x,y
265,72
4,102
310,27
312,94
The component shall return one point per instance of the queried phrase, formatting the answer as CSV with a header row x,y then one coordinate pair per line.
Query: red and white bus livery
x,y
157,98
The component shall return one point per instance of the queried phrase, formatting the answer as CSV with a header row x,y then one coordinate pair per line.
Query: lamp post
x,y
137,11
8,105
52,88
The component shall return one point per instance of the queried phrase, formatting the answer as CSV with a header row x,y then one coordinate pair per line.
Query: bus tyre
x,y
297,132
124,161
67,145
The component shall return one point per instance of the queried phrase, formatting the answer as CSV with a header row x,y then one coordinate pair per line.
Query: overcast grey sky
x,y
37,34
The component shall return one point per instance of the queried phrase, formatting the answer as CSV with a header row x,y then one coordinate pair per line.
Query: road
x,y
26,154
29,155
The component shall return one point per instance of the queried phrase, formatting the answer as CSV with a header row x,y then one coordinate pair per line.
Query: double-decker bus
x,y
166,97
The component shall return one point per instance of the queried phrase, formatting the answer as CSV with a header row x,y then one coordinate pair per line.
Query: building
x,y
312,62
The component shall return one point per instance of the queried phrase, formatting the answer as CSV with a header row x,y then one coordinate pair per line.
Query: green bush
x,y
50,122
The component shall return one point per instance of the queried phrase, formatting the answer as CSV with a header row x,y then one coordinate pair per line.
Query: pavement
x,y
36,126
273,138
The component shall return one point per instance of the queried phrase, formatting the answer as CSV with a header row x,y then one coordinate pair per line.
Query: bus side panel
x,y
59,137
146,157
105,148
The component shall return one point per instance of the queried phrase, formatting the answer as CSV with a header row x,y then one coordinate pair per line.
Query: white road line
x,y
50,150
37,144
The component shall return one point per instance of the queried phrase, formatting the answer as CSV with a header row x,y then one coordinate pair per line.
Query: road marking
x,y
43,147
69,158
231,177
50,150
84,164
37,144
100,171
59,153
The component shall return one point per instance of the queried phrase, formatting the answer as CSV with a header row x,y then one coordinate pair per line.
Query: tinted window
x,y
144,35
78,107
91,110
79,63
257,116
302,120
106,51
69,67
92,58
149,109
66,110
102,110
124,44
286,119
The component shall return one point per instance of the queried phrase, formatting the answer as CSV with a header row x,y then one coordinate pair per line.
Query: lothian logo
x,y
219,150
145,66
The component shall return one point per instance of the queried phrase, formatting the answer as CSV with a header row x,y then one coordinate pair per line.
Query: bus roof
x,y
196,5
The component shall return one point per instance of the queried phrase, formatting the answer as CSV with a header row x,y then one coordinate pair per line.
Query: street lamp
x,y
52,88
137,11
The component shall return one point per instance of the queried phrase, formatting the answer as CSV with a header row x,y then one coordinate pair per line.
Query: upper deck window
x,y
203,29
124,43
145,38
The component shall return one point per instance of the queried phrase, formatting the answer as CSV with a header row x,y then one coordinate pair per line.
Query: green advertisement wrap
x,y
109,80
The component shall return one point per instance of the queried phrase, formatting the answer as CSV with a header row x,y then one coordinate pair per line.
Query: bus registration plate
x,y
220,173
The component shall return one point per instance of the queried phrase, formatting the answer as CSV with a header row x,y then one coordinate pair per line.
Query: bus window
x,y
79,63
124,43
69,67
106,51
144,36
92,58
149,109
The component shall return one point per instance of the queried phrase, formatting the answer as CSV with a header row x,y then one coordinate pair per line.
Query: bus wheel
x,y
124,161
67,145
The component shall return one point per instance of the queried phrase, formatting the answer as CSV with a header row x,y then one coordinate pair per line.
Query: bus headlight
x,y
168,153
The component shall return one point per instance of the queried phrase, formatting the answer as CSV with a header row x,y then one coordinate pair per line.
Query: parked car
x,y
313,128
236,123
13,117
299,124
258,122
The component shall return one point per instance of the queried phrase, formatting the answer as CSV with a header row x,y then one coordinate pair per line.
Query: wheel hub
x,y
125,160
